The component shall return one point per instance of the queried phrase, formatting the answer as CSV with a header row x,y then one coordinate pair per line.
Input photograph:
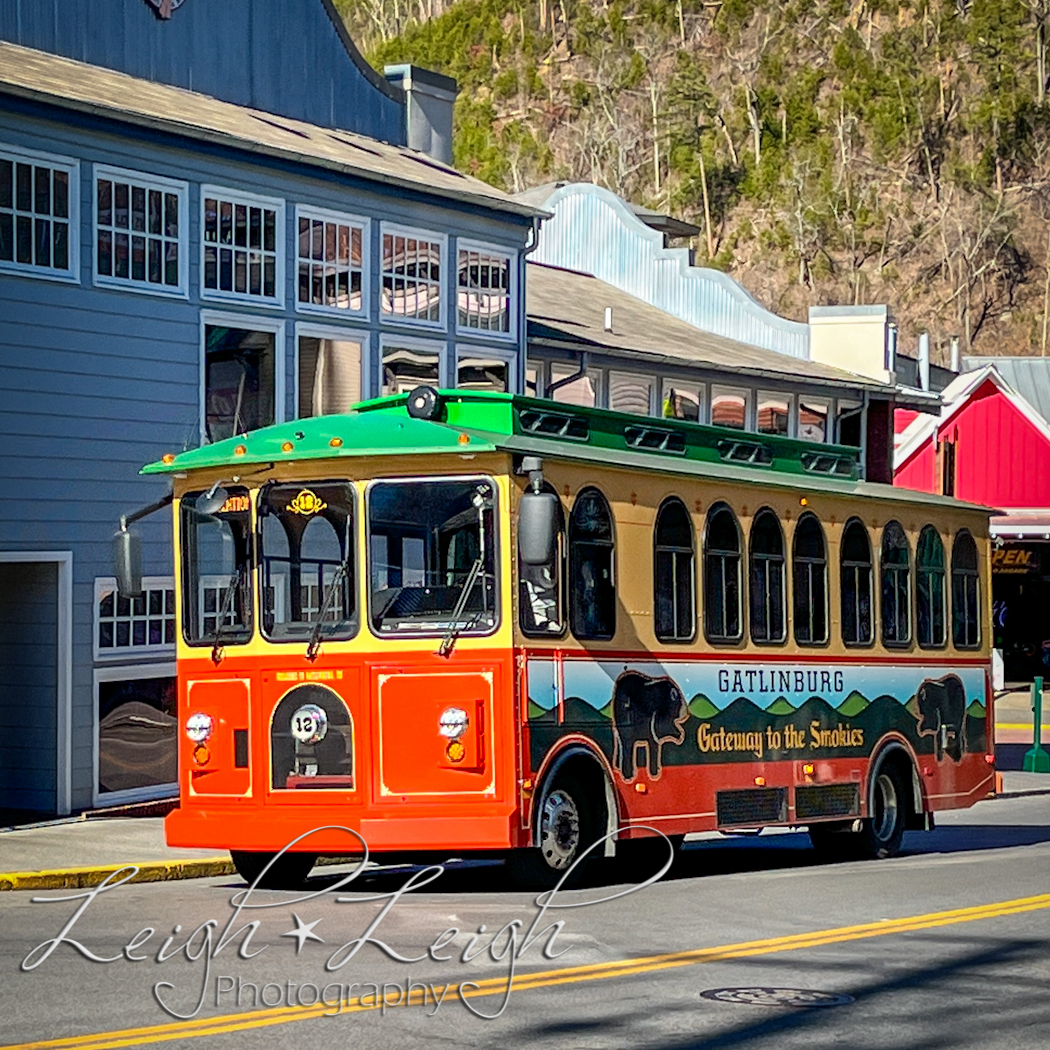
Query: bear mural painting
x,y
647,712
942,715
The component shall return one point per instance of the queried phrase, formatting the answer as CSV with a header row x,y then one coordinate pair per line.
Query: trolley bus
x,y
466,622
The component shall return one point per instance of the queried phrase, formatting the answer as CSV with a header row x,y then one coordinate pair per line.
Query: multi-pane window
x,y
966,592
767,578
331,257
722,612
240,239
411,273
855,584
132,626
896,596
673,583
591,567
139,226
929,590
809,563
37,214
483,291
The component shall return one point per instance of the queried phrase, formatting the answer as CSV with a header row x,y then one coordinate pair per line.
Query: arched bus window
x,y
966,592
895,567
929,590
722,612
767,578
540,602
591,568
674,597
855,580
809,563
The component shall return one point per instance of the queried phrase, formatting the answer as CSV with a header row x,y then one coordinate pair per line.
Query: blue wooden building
x,y
212,217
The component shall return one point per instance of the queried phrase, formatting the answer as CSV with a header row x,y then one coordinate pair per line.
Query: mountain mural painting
x,y
656,716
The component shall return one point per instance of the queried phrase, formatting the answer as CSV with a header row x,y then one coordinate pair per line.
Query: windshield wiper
x,y
448,643
224,611
329,594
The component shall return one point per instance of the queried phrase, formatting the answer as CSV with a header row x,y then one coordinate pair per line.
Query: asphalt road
x,y
946,946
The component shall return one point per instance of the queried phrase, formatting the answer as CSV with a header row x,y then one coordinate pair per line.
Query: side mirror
x,y
537,527
127,562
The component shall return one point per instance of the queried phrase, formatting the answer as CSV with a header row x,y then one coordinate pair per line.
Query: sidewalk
x,y
76,853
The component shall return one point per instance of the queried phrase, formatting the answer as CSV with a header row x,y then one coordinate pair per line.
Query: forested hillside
x,y
834,152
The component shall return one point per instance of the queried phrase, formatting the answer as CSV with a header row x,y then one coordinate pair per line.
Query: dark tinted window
x,y
929,590
855,579
306,556
591,567
540,606
966,593
673,583
809,561
896,596
767,578
722,612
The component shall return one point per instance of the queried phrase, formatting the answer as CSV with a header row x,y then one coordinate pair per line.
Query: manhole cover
x,y
803,997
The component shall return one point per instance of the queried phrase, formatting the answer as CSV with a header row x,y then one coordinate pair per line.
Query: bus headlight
x,y
199,727
453,722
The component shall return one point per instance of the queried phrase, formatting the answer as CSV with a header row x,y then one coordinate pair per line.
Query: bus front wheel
x,y
287,872
568,823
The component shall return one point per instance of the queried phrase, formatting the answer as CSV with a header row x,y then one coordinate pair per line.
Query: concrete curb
x,y
149,871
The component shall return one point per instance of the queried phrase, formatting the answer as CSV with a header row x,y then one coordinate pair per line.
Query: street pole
x,y
1037,760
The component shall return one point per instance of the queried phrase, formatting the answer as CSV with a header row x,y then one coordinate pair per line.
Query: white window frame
x,y
506,354
247,321
829,423
654,386
418,233
686,385
307,211
149,182
792,410
428,346
718,390
122,654
70,165
225,193
124,673
465,245
321,331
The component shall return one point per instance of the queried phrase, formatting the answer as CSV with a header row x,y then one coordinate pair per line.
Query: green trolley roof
x,y
470,422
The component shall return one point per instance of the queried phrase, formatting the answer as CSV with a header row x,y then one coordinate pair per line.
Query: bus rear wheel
x,y
880,833
568,824
288,872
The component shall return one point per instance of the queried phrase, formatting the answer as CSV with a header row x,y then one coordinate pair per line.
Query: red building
x,y
991,445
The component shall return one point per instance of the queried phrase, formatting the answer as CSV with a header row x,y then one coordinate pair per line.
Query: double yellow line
x,y
240,1022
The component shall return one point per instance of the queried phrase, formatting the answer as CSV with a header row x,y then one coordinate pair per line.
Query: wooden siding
x,y
95,382
1002,457
281,56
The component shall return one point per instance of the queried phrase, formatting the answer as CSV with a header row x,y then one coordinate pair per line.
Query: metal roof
x,y
1029,376
42,77
476,422
566,309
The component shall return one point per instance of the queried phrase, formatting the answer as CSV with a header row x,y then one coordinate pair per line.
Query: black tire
x,y
880,833
288,872
569,822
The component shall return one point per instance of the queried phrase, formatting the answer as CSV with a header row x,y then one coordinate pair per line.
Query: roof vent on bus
x,y
424,402
745,452
556,424
654,438
829,463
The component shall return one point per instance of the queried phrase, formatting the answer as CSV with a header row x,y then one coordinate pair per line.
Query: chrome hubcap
x,y
885,816
559,830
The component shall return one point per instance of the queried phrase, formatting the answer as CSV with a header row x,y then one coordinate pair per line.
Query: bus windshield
x,y
216,570
307,560
432,554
